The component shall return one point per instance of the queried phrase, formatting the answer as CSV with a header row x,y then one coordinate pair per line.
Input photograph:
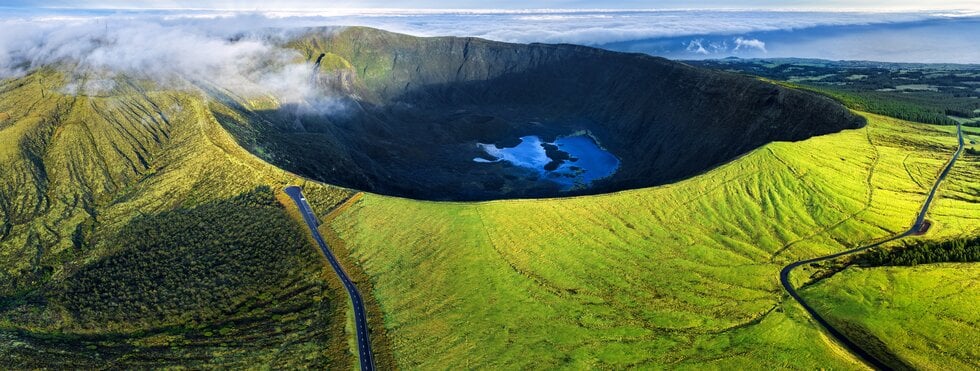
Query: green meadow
x,y
924,317
682,276
135,232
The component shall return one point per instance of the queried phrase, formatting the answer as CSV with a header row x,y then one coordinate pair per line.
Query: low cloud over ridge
x,y
181,53
742,43
198,43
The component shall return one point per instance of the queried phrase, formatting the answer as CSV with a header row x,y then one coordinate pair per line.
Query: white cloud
x,y
181,53
596,28
706,47
590,27
195,43
742,43
697,46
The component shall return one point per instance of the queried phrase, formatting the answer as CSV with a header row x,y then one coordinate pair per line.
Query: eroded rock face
x,y
418,107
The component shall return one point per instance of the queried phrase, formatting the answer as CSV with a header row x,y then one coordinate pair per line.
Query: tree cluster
x,y
924,252
190,264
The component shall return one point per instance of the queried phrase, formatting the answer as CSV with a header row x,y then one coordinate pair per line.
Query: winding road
x,y
360,314
917,227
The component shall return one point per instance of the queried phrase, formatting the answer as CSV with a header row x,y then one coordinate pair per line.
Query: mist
x,y
180,53
239,51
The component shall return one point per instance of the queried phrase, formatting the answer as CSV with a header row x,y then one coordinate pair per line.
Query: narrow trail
x,y
917,227
365,356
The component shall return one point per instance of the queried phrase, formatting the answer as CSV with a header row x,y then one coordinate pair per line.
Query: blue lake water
x,y
576,160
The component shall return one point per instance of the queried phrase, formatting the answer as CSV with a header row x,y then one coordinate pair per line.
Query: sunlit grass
x,y
77,170
684,274
925,316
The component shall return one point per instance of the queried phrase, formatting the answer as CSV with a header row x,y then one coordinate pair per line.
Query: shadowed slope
x,y
415,109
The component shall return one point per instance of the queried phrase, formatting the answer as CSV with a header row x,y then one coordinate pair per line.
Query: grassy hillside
x,y
682,275
136,232
918,317
924,316
957,208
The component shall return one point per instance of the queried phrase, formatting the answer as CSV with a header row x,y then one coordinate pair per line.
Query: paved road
x,y
916,227
360,315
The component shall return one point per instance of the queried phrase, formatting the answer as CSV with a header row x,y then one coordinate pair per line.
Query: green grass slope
x,y
925,316
684,275
957,207
135,232
918,317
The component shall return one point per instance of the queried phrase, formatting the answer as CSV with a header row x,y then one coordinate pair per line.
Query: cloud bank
x,y
590,27
743,43
174,52
232,49
599,27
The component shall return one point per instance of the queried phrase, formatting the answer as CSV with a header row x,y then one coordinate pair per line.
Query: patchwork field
x,y
683,275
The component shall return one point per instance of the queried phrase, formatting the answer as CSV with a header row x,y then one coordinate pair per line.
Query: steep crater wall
x,y
420,110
